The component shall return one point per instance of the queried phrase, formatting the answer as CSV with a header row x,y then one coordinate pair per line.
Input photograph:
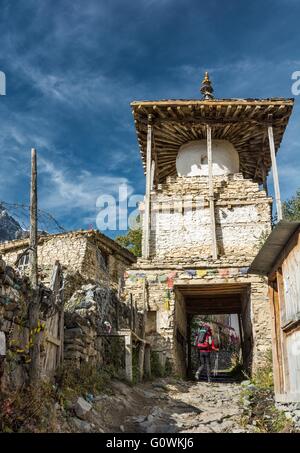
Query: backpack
x,y
200,335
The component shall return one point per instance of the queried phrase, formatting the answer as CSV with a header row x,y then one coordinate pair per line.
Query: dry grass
x,y
33,409
261,412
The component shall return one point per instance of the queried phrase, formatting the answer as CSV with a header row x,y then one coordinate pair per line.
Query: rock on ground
x,y
165,406
82,408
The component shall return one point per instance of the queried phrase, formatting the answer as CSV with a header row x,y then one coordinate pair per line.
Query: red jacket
x,y
206,347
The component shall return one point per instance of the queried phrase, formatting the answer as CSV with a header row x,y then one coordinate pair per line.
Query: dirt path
x,y
168,406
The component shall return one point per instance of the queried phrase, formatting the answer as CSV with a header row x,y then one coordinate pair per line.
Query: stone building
x,y
86,257
93,266
205,215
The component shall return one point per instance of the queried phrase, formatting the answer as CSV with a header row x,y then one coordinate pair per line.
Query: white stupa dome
x,y
192,158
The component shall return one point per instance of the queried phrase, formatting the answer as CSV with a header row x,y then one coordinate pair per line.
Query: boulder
x,y
81,425
82,408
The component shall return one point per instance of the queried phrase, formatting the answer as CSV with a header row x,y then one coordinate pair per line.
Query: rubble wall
x,y
92,313
15,298
181,220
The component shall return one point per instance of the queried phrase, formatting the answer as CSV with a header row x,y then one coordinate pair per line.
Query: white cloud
x,y
64,191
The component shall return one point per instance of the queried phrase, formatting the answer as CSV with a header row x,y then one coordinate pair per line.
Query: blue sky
x,y
72,68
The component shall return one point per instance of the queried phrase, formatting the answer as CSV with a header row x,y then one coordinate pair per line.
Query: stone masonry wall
x,y
78,254
94,268
15,335
243,214
180,247
164,298
68,250
15,295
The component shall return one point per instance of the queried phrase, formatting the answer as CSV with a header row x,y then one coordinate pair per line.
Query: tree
x,y
132,241
291,207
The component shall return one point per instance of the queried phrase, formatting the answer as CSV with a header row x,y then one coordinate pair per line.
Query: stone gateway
x,y
205,216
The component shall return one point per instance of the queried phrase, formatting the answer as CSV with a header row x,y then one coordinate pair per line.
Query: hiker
x,y
205,345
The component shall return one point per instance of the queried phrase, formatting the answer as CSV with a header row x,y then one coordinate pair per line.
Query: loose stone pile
x,y
91,314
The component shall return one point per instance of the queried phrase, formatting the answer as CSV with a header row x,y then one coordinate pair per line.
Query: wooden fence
x,y
53,341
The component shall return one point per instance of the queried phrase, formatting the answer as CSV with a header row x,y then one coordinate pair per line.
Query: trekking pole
x,y
217,356
216,364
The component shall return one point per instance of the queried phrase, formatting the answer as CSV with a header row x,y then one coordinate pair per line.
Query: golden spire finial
x,y
206,87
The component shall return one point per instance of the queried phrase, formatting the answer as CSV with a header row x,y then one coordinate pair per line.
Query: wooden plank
x,y
51,339
281,318
291,272
276,338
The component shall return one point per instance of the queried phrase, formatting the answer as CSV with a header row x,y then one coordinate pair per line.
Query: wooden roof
x,y
272,249
243,122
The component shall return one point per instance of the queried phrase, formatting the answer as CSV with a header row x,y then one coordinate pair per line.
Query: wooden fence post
x,y
34,307
128,357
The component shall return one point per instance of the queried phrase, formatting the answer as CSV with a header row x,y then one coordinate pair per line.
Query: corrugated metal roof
x,y
270,251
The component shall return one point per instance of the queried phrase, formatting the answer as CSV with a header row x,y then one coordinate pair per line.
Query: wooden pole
x,y
128,357
211,194
34,369
144,359
152,174
275,173
131,312
141,360
33,221
147,219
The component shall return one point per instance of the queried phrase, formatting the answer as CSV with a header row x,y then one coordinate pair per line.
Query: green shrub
x,y
263,377
88,378
261,412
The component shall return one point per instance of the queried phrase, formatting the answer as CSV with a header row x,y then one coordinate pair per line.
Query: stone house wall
x,y
68,250
90,254
181,220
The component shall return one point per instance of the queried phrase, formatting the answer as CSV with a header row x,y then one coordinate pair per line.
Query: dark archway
x,y
218,299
